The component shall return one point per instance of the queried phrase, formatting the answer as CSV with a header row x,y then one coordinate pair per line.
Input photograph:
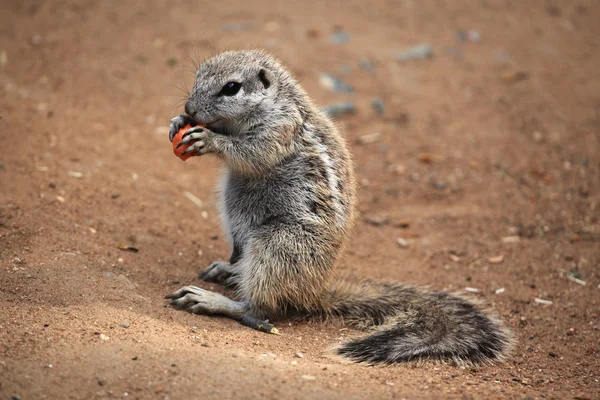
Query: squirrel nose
x,y
189,109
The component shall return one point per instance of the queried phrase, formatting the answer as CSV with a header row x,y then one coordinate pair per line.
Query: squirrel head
x,y
238,92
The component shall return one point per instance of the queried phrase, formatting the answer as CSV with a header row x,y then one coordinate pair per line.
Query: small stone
x,y
134,358
100,381
542,301
496,260
313,33
418,52
471,290
376,221
36,40
125,325
511,239
299,355
307,377
378,106
294,363
389,383
474,36
428,158
454,257
75,174
514,77
368,139
339,37
334,83
439,185
367,65
102,336
499,291
402,242
337,109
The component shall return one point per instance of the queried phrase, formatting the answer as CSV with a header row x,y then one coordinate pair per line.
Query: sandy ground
x,y
494,136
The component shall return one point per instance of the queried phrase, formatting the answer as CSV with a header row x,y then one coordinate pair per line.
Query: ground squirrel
x,y
287,205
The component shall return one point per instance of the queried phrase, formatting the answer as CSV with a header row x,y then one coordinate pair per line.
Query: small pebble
x,y
402,242
334,83
545,302
307,377
36,40
418,52
294,363
298,355
337,109
514,77
367,65
339,37
75,174
511,239
471,290
496,260
60,199
474,36
368,139
102,336
378,106
125,325
499,291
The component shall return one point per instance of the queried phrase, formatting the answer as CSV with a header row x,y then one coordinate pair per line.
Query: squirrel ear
x,y
264,78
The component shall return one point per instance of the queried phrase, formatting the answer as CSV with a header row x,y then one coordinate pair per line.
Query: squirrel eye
x,y
231,89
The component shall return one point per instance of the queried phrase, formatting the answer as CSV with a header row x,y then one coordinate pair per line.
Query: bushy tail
x,y
409,324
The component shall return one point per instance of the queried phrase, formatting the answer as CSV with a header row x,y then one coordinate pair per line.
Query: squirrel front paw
x,y
179,122
200,137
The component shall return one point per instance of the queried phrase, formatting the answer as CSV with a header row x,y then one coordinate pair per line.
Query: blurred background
x,y
475,127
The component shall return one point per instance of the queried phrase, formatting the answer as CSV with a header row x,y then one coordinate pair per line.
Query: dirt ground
x,y
486,161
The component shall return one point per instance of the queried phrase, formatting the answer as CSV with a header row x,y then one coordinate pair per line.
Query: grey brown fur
x,y
287,205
